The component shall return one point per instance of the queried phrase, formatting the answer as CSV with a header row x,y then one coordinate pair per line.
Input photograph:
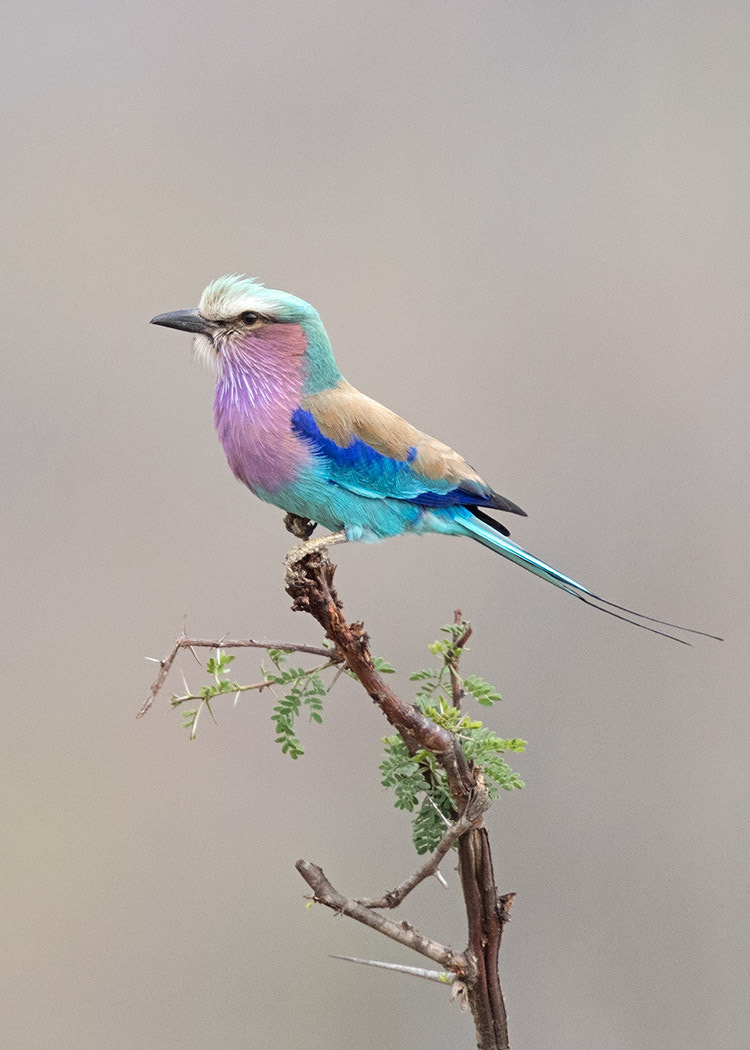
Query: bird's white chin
x,y
205,353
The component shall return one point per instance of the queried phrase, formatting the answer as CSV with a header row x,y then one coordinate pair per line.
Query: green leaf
x,y
482,691
418,676
427,829
278,656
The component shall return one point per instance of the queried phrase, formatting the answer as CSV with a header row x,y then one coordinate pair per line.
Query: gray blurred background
x,y
526,227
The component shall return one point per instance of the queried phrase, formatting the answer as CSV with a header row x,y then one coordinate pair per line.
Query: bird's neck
x,y
260,384
321,370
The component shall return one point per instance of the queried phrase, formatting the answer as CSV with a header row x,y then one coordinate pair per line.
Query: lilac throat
x,y
259,387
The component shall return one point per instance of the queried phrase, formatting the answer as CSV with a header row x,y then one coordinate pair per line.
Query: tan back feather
x,y
343,412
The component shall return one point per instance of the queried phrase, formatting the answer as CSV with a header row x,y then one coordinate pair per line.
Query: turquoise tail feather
x,y
479,530
502,545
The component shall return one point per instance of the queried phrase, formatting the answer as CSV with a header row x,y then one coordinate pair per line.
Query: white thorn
x,y
440,976
437,810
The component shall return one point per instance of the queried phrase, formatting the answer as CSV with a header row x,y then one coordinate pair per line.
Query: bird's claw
x,y
302,550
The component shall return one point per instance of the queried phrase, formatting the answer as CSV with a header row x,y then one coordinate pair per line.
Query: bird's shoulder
x,y
343,414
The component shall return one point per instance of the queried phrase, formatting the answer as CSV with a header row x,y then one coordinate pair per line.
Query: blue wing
x,y
359,468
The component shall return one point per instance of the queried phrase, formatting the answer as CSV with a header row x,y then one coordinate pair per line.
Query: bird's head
x,y
239,322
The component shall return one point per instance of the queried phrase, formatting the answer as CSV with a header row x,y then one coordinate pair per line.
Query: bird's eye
x,y
249,317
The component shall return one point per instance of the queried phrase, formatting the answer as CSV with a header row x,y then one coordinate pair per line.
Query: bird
x,y
301,437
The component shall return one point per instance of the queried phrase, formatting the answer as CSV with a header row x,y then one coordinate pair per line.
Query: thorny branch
x,y
473,973
309,581
183,642
324,893
255,687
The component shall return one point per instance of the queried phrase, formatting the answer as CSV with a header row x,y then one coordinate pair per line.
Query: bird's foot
x,y
300,527
296,554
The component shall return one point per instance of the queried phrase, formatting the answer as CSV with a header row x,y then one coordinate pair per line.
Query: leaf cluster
x,y
417,780
300,687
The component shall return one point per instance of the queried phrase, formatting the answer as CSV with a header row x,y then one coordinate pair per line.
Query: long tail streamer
x,y
481,529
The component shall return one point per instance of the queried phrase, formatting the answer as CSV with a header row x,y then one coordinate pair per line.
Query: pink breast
x,y
259,387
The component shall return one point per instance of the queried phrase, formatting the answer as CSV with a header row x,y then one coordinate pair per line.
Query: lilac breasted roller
x,y
303,438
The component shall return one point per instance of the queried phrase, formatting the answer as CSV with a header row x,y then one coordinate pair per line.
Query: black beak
x,y
184,321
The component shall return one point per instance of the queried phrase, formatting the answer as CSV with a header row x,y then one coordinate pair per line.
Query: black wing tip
x,y
498,502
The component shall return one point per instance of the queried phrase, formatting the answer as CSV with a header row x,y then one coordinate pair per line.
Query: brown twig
x,y
453,658
184,642
310,583
393,898
324,893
